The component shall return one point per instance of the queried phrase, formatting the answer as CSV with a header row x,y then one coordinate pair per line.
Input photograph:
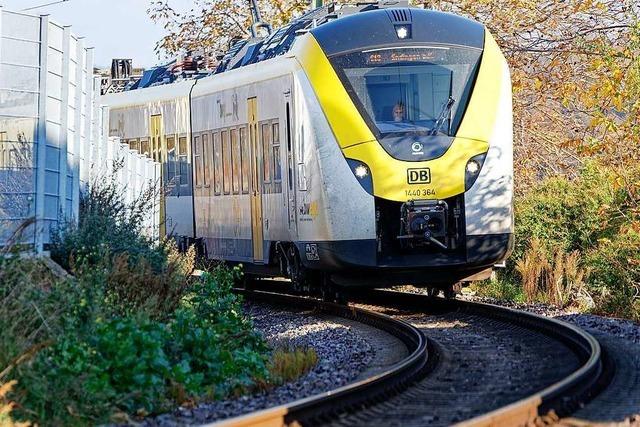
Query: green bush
x,y
615,274
576,243
139,366
130,334
140,273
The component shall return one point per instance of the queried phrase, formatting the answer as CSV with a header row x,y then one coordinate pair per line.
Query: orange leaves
x,y
576,78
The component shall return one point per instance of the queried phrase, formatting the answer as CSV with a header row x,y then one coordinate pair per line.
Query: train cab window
x,y
266,151
409,90
206,161
171,159
235,150
277,166
226,162
197,158
217,164
144,147
183,160
244,160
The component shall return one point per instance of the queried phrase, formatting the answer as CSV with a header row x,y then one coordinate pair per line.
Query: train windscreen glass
x,y
416,89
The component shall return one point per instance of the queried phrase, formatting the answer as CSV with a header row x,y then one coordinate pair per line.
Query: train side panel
x,y
130,120
223,209
333,208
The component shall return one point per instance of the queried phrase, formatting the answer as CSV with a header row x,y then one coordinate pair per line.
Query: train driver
x,y
398,112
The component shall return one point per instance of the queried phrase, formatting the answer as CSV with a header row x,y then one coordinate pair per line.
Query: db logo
x,y
419,176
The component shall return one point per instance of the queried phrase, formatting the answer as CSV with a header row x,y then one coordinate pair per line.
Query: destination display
x,y
404,55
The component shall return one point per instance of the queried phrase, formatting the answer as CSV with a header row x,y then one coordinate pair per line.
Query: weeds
x,y
577,244
129,334
289,364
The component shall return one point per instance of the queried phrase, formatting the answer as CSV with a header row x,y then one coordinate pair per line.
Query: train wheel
x,y
330,292
450,292
432,291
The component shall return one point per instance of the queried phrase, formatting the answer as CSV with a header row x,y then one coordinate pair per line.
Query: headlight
x,y
403,31
362,173
473,167
472,170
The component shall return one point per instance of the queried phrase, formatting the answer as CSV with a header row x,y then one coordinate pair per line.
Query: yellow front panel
x,y
480,118
390,176
344,118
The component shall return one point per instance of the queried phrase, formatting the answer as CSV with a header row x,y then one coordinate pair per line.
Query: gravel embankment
x,y
342,351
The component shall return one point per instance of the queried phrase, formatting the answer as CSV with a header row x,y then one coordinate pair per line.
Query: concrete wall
x,y
52,131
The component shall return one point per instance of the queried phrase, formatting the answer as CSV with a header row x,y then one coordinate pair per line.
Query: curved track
x,y
372,400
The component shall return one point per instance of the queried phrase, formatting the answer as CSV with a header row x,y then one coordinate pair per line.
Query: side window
x,y
302,173
134,144
197,158
217,164
144,147
206,160
277,168
289,149
171,159
235,150
266,151
182,159
245,165
226,162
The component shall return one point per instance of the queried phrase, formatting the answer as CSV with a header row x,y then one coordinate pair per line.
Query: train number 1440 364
x,y
423,192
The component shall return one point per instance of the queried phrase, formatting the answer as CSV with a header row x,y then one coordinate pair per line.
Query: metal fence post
x,y
80,136
41,136
64,125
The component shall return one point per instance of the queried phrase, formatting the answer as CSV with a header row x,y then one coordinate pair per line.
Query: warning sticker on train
x,y
311,251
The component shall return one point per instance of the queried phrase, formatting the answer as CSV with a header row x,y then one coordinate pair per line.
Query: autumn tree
x,y
575,73
211,25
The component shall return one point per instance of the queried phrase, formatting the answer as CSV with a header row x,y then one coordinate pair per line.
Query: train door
x,y
290,189
157,150
256,182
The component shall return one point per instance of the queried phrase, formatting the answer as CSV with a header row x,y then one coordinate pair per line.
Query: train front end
x,y
419,103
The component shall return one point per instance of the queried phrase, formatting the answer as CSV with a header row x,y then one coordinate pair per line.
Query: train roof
x,y
253,50
331,20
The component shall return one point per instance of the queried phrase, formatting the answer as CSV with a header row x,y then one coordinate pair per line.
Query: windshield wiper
x,y
446,108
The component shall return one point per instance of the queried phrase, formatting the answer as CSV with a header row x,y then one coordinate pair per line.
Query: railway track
x,y
569,365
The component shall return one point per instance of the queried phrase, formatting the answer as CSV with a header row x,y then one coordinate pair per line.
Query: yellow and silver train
x,y
366,146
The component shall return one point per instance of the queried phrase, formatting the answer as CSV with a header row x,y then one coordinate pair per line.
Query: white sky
x,y
115,28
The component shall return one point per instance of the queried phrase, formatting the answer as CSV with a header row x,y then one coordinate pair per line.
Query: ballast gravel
x,y
620,338
619,402
342,355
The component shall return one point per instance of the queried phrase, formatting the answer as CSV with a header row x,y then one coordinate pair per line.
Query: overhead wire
x,y
44,5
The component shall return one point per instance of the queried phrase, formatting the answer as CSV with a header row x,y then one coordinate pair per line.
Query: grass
x,y
129,334
287,364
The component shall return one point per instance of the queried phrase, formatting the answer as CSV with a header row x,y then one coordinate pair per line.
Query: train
x,y
357,146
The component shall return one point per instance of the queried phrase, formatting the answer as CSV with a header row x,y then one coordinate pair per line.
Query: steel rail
x,y
325,406
563,396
